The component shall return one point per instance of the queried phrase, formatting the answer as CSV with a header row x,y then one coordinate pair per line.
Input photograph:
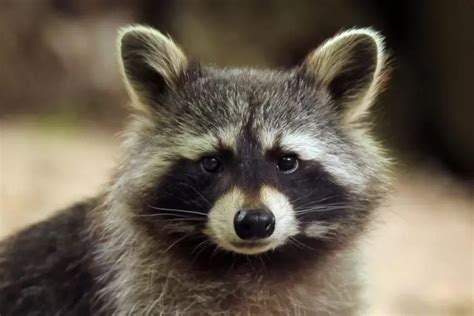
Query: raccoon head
x,y
252,161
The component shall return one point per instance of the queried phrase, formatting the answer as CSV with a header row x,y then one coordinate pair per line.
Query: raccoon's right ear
x,y
151,63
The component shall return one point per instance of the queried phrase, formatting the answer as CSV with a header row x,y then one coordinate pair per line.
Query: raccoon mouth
x,y
250,247
250,244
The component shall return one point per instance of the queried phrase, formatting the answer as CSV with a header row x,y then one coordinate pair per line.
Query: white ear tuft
x,y
150,62
351,66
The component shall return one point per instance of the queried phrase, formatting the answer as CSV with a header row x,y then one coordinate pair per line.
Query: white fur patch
x,y
308,147
286,224
221,220
268,138
320,230
193,147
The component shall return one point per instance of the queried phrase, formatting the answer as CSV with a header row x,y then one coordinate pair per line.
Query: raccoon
x,y
238,192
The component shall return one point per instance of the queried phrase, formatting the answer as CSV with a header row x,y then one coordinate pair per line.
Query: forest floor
x,y
418,256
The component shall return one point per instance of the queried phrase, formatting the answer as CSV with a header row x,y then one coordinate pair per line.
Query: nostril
x,y
240,215
269,221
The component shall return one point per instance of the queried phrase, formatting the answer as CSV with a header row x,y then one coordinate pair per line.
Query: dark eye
x,y
287,164
211,164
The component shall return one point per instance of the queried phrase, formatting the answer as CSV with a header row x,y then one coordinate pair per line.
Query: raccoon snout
x,y
254,224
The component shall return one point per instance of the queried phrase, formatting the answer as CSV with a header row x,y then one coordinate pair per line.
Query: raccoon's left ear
x,y
151,64
351,66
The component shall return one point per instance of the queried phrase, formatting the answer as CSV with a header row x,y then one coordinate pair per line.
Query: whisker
x,y
320,210
203,245
162,214
215,251
183,220
197,191
231,266
301,198
316,205
302,244
205,241
175,243
176,210
174,217
293,243
318,201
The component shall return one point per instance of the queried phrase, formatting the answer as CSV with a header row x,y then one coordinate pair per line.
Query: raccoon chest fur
x,y
166,282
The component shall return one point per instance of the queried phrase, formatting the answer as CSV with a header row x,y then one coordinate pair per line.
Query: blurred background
x,y
62,104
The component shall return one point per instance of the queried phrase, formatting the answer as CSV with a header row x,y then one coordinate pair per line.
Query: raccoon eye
x,y
211,164
287,163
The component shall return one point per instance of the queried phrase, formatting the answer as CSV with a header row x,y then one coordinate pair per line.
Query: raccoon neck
x,y
139,274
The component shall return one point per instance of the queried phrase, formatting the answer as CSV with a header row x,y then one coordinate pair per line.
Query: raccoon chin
x,y
248,248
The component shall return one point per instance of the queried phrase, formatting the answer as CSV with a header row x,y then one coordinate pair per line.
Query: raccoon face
x,y
252,160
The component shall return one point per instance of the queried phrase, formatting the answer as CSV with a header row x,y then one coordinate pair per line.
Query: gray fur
x,y
136,269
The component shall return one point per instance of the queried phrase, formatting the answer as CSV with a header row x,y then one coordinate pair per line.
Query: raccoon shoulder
x,y
46,266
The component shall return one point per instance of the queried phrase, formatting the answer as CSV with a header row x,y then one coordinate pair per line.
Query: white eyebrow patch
x,y
332,158
193,147
268,138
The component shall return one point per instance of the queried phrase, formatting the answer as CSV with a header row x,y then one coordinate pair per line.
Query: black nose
x,y
254,224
